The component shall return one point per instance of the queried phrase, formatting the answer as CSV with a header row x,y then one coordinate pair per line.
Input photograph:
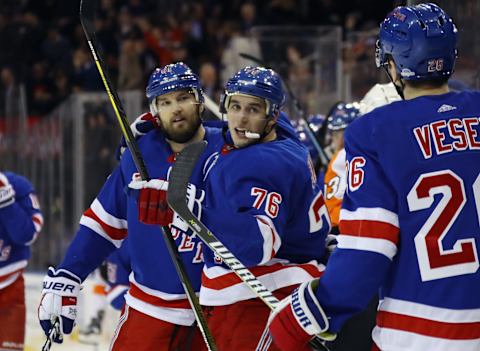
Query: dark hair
x,y
428,83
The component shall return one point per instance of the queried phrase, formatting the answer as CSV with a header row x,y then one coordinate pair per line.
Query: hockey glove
x,y
297,319
7,193
141,126
331,243
152,201
59,300
116,296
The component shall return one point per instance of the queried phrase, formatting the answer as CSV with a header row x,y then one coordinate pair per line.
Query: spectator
x,y
209,79
57,49
85,74
129,67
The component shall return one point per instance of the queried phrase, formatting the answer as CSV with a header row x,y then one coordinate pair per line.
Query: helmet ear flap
x,y
223,101
198,92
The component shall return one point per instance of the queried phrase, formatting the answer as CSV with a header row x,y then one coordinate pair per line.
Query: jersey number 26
x,y
434,260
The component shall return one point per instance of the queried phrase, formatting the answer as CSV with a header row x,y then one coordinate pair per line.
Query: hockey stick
x,y
324,157
52,334
212,106
87,15
176,196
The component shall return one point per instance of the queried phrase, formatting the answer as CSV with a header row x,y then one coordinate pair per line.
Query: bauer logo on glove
x,y
59,300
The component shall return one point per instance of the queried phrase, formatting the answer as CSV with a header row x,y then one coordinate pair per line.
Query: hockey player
x,y
378,95
335,177
273,223
157,315
263,203
20,224
118,271
316,123
108,284
356,333
410,218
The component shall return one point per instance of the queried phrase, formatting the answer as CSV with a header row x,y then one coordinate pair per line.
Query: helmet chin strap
x,y
260,136
400,88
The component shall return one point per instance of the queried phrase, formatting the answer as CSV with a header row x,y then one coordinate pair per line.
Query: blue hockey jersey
x,y
263,204
409,225
20,224
155,288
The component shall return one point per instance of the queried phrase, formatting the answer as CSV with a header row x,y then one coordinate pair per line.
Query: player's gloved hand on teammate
x,y
59,300
331,243
152,201
116,296
7,193
141,126
297,319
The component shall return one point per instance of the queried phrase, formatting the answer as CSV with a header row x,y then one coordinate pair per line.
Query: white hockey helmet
x,y
378,95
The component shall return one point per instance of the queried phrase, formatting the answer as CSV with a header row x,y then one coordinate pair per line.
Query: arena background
x,y
58,129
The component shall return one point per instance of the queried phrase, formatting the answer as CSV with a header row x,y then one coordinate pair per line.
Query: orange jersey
x,y
335,185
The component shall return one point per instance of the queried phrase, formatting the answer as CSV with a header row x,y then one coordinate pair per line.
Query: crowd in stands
x,y
42,44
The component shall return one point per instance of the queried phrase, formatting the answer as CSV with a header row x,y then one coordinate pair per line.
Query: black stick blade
x,y
181,172
87,15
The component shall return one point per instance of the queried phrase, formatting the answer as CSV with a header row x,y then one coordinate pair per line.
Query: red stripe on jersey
x,y
136,292
37,220
230,279
444,330
114,233
7,276
370,229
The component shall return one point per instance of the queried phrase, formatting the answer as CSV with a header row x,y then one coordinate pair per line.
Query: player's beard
x,y
183,135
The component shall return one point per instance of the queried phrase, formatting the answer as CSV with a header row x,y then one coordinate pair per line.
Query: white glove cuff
x,y
7,195
60,285
303,313
157,184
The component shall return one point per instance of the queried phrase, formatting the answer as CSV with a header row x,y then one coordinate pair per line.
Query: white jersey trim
x,y
217,271
106,217
178,316
37,220
339,168
121,322
12,267
271,239
97,228
430,312
370,214
118,290
156,293
381,246
9,281
286,276
399,340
